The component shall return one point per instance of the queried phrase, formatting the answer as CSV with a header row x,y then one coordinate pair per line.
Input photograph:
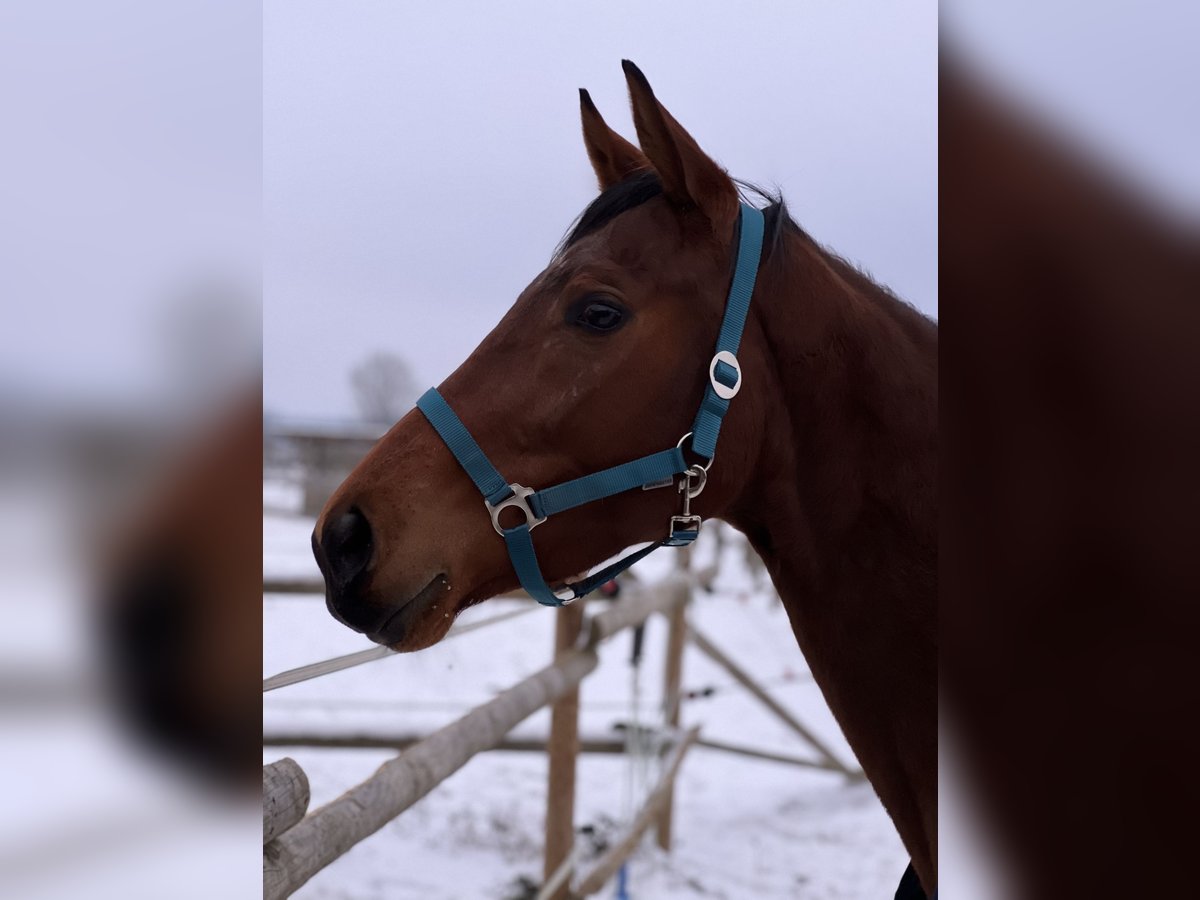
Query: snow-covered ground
x,y
743,828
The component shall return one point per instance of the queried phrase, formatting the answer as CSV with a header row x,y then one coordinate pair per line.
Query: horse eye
x,y
600,316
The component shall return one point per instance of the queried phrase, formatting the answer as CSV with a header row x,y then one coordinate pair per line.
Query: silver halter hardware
x,y
724,391
705,467
518,500
686,521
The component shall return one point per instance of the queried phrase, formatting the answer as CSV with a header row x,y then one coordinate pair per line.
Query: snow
x,y
743,827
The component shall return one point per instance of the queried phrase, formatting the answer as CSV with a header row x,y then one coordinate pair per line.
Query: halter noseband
x,y
724,381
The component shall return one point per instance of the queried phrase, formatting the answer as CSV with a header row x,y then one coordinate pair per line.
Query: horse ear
x,y
691,179
613,157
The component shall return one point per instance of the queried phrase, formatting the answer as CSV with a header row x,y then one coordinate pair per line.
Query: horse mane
x,y
631,192
642,187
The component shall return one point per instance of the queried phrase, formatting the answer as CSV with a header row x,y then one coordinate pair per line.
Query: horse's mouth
x,y
396,626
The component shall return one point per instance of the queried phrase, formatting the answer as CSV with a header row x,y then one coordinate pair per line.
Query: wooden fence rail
x,y
330,831
402,740
300,852
709,649
529,744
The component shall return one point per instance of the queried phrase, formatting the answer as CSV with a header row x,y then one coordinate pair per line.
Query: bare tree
x,y
384,388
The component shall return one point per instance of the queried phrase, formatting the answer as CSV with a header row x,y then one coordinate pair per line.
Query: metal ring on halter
x,y
706,466
725,391
518,500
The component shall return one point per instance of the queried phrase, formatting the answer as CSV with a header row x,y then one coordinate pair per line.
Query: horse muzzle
x,y
344,550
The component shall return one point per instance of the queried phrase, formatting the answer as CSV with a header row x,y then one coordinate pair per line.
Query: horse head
x,y
603,358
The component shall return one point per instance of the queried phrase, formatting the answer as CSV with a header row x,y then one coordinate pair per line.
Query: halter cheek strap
x,y
724,382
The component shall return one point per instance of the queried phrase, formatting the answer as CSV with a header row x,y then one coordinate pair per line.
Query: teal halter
x,y
724,381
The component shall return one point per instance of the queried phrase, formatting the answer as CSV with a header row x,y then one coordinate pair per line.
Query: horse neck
x,y
852,548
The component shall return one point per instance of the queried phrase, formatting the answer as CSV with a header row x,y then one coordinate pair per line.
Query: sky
x,y
421,161
389,176
130,205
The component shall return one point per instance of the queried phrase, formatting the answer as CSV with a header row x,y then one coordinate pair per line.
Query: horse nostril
x,y
347,547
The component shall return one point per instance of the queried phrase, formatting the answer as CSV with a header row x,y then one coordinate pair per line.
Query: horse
x,y
827,459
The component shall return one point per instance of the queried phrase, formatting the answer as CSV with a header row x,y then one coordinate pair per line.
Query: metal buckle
x,y
725,392
518,500
685,521
700,474
679,524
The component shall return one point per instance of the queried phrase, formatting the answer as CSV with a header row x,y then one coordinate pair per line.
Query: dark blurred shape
x,y
1070,380
130,228
181,619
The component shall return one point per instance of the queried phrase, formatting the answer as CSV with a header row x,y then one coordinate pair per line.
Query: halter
x,y
656,470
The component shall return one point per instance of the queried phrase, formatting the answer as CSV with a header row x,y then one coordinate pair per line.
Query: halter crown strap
x,y
725,373
725,380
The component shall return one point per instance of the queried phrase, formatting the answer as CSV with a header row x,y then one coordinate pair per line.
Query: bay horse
x,y
827,461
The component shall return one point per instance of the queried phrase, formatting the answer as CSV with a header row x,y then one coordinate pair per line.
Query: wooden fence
x,y
300,851
297,846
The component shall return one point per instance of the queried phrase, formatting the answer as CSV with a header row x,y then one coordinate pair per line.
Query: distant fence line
x,y
318,458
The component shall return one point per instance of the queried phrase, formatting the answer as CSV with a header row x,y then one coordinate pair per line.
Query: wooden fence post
x,y
562,749
285,797
672,682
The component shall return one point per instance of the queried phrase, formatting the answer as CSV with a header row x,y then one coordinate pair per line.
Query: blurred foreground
x,y
1070,205
130,447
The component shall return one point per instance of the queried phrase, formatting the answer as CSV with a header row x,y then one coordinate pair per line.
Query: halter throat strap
x,y
724,382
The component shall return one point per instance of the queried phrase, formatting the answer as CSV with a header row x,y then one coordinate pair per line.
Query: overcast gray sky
x,y
421,161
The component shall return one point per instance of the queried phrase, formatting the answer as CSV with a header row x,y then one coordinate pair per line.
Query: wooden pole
x,y
709,649
285,797
371,654
607,865
672,682
531,744
562,750
404,740
769,755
